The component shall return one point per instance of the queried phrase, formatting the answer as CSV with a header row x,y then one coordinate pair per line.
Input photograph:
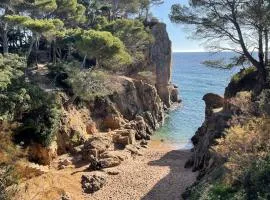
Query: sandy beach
x,y
158,174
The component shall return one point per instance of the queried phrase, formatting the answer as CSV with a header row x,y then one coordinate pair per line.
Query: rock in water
x,y
94,182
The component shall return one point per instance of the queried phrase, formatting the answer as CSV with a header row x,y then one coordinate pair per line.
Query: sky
x,y
177,33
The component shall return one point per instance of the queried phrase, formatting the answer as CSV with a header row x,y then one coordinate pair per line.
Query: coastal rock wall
x,y
135,108
161,58
136,98
216,121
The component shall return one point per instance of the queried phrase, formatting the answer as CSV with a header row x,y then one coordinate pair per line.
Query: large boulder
x,y
93,182
95,146
109,162
212,101
124,137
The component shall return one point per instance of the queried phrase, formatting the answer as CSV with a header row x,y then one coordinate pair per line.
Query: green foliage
x,y
40,125
257,180
8,182
11,68
243,73
13,96
46,27
71,12
87,84
103,47
247,176
133,34
46,5
27,103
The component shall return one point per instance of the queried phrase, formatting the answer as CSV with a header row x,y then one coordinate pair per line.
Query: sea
x,y
194,80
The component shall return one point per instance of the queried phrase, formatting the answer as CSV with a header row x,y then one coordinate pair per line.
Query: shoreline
x,y
158,174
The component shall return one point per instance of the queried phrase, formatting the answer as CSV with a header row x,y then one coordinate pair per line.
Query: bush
x,y
8,182
247,167
13,96
41,124
257,180
88,84
243,73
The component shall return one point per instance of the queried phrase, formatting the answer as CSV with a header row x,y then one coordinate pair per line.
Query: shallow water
x,y
194,80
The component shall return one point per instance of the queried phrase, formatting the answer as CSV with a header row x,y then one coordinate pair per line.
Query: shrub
x,y
264,102
14,99
243,73
243,144
8,182
257,180
41,124
88,84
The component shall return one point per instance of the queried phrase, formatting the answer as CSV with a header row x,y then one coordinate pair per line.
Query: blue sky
x,y
177,33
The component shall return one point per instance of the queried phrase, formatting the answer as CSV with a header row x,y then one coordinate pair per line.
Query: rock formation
x,y
132,111
161,57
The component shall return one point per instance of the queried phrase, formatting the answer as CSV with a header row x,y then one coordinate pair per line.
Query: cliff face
x,y
220,114
161,57
134,109
216,121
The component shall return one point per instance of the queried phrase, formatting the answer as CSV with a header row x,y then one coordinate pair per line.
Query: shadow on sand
x,y
175,182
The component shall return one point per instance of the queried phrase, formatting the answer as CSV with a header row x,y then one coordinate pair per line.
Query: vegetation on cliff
x,y
58,45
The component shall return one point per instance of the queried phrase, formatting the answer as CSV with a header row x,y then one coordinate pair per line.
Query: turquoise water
x,y
194,80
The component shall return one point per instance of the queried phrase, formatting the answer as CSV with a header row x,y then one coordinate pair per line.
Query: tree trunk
x,y
5,38
83,63
266,47
53,52
33,40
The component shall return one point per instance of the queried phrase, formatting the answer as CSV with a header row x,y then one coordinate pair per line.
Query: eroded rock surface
x,y
93,182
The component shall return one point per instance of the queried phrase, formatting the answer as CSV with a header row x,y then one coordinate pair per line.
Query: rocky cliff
x,y
132,111
237,106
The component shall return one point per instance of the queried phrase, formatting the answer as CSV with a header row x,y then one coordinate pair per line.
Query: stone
x,y
91,128
134,150
161,56
111,171
95,146
93,182
213,100
109,162
66,162
94,163
143,142
124,137
119,154
112,122
65,196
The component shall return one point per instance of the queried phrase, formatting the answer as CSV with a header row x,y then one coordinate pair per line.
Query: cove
x,y
194,80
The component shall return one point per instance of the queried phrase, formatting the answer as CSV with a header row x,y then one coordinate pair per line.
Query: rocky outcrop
x,y
135,106
220,115
133,110
161,57
244,82
216,120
